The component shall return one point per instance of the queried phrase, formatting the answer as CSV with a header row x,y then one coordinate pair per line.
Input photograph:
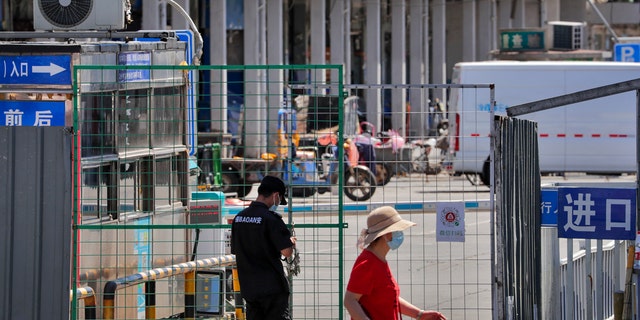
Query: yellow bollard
x,y
107,308
190,295
237,295
150,300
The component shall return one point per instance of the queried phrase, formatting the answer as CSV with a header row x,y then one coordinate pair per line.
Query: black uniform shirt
x,y
257,236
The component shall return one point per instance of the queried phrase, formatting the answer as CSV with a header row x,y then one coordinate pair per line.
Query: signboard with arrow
x,y
43,70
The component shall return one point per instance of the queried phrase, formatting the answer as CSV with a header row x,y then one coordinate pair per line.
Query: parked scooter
x,y
359,182
370,144
429,155
425,158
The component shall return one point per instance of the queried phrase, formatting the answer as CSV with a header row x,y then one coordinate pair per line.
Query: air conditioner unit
x,y
567,35
79,14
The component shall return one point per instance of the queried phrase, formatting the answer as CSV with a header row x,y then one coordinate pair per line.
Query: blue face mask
x,y
274,207
396,240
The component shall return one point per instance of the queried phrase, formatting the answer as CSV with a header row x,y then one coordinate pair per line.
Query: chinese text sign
x,y
597,213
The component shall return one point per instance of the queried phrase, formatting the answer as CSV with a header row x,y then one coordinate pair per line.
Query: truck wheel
x,y
359,185
486,173
303,192
231,184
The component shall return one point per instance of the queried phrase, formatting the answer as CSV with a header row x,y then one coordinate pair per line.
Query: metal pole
x,y
497,286
588,280
637,171
569,288
550,282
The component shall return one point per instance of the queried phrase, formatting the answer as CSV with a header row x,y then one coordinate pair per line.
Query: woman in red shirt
x,y
372,292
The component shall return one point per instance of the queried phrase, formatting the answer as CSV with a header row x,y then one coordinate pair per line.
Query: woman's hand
x,y
430,315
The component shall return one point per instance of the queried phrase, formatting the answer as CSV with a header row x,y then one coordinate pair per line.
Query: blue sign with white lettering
x,y
134,59
626,52
597,213
53,70
32,113
549,208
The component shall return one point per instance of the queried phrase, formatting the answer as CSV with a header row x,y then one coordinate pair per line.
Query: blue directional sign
x,y
626,52
549,208
597,213
32,113
53,70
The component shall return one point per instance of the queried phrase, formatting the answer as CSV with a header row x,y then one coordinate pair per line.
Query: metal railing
x,y
188,269
588,282
89,296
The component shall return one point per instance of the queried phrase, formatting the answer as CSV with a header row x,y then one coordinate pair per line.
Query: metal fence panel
x,y
135,175
35,195
518,218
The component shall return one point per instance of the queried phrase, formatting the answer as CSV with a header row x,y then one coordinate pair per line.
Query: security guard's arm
x,y
287,252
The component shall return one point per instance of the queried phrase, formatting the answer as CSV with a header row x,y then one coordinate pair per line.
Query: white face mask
x,y
274,207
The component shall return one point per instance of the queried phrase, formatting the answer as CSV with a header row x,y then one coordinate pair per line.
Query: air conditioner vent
x,y
567,35
66,14
79,14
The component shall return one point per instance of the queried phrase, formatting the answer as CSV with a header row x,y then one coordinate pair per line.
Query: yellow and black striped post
x,y
88,295
150,299
190,295
108,300
237,295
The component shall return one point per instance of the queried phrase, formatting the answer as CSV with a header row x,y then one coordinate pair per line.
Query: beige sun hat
x,y
381,221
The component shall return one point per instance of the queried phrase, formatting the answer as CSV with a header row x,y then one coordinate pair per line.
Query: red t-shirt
x,y
372,278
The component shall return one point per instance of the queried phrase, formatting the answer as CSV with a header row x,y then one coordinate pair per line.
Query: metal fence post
x,y
550,305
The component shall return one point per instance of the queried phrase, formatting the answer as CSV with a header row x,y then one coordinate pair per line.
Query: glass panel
x,y
97,124
167,188
168,117
95,182
129,185
133,118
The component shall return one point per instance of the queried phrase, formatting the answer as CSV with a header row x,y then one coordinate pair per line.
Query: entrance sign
x,y
47,70
597,213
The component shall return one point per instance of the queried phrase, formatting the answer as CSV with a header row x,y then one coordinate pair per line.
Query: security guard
x,y
259,237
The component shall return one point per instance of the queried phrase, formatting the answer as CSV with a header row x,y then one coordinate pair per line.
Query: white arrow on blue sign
x,y
52,70
597,213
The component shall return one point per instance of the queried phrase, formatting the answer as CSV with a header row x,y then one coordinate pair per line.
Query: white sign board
x,y
450,222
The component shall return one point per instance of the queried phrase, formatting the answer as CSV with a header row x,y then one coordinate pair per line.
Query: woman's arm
x,y
412,311
353,306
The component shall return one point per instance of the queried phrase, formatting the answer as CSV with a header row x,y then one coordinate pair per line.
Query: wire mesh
x,y
147,197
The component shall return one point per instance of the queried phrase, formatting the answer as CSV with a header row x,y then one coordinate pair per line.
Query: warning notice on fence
x,y
450,222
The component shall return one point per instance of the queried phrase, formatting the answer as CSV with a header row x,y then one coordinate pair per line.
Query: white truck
x,y
595,136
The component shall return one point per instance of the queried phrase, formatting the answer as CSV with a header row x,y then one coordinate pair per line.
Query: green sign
x,y
521,40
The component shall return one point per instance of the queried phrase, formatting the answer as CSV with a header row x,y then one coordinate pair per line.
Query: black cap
x,y
272,184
